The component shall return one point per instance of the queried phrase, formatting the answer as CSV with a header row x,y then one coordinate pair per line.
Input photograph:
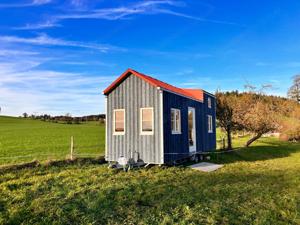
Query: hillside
x,y
26,139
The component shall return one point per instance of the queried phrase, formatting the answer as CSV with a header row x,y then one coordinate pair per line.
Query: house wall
x,y
209,143
132,94
176,146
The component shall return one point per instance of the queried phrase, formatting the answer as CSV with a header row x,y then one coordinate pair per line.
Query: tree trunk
x,y
229,141
250,141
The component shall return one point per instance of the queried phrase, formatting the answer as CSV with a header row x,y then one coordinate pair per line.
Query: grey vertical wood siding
x,y
132,94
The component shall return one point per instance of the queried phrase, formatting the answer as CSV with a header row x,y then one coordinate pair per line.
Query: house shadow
x,y
266,149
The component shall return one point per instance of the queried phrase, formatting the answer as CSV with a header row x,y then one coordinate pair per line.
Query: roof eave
x,y
194,99
117,81
210,94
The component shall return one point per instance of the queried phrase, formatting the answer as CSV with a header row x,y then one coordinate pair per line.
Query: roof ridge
x,y
158,83
193,89
160,80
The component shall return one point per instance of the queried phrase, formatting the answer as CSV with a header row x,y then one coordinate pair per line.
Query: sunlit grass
x,y
23,140
259,185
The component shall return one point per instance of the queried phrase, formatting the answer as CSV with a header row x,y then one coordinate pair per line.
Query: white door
x,y
192,129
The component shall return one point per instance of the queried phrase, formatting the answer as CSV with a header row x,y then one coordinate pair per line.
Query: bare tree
x,y
294,91
249,111
225,114
260,119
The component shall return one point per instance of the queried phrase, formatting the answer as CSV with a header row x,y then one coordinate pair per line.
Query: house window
x,y
175,121
146,121
210,124
119,121
209,102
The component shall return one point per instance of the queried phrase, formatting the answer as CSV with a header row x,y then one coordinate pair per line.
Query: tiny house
x,y
157,123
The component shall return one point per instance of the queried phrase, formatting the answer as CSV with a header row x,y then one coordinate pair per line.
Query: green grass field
x,y
258,185
23,140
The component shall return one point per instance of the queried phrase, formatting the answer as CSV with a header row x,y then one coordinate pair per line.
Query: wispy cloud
x,y
263,64
48,91
145,7
294,64
151,7
39,26
291,64
44,39
201,19
78,3
26,4
173,54
30,83
87,63
10,52
41,2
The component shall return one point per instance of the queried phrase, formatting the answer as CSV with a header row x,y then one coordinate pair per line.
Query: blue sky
x,y
57,56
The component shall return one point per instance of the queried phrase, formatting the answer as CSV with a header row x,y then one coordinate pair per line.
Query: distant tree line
x,y
67,118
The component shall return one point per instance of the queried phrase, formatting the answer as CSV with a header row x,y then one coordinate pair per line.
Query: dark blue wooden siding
x,y
176,145
209,143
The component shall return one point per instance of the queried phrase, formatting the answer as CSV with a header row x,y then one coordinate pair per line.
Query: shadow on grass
x,y
266,149
49,163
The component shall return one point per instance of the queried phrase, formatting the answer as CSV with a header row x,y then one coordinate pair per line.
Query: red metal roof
x,y
196,94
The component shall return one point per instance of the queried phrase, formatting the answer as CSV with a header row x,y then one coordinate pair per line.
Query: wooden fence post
x,y
72,147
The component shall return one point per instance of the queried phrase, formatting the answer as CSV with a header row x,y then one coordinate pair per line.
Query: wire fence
x,y
70,150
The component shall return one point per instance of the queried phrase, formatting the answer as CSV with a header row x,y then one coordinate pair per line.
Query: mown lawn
x,y
23,140
259,185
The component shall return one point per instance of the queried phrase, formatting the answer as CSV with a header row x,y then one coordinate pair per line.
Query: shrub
x,y
290,131
294,134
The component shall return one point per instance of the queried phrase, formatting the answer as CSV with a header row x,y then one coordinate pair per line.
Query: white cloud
x,y
23,88
41,2
117,13
44,39
145,7
263,64
78,3
293,64
86,63
9,52
26,4
39,26
170,12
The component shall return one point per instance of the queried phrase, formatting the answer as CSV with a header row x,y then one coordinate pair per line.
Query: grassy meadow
x,y
257,185
23,140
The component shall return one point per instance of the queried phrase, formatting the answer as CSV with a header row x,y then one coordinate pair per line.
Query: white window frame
x,y
179,125
114,122
210,124
209,102
141,122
